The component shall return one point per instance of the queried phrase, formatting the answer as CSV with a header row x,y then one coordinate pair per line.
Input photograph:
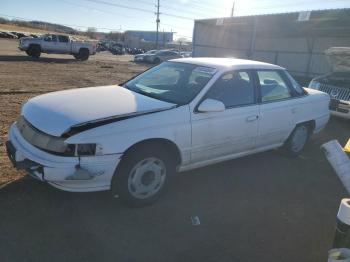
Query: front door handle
x,y
252,118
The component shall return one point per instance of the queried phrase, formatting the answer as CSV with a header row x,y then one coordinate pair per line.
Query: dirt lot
x,y
264,207
22,77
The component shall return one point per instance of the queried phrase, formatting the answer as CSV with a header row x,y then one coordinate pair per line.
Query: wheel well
x,y
310,124
169,145
83,48
34,45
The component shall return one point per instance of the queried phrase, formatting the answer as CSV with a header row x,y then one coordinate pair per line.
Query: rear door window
x,y
272,86
63,38
297,88
54,38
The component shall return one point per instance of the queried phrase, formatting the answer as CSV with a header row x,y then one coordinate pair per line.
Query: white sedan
x,y
180,115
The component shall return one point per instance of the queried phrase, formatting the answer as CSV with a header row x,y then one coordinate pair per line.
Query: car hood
x,y
55,113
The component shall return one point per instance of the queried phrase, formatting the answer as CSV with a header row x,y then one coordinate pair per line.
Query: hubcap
x,y
146,178
299,138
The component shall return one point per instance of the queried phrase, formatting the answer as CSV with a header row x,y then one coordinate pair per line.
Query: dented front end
x,y
49,159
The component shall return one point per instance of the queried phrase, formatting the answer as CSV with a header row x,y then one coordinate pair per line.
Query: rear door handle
x,y
252,118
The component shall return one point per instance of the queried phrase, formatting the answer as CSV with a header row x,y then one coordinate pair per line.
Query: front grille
x,y
39,139
336,92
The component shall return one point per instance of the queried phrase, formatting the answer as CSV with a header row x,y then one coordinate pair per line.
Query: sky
x,y
176,15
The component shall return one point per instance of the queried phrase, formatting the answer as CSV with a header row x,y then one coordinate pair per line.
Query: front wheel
x,y
143,175
34,51
76,56
297,140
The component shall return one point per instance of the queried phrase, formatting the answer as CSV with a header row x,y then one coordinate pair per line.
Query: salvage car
x,y
182,114
161,56
57,44
337,82
141,57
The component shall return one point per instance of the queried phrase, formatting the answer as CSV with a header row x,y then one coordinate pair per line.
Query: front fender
x,y
173,125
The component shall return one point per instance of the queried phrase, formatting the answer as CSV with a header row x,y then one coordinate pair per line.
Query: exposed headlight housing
x,y
314,84
89,149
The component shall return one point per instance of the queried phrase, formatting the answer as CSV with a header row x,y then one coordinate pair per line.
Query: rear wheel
x,y
297,140
143,175
83,54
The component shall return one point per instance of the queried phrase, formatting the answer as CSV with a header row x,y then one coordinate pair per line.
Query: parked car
x,y
56,44
140,57
177,116
161,56
336,83
186,54
19,34
117,49
5,34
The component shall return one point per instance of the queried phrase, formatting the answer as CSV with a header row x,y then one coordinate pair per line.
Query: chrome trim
x,y
335,92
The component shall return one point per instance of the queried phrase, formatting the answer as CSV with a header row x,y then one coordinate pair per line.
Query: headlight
x,y
314,84
89,149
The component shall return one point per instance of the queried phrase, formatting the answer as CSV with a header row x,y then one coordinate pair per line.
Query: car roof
x,y
227,63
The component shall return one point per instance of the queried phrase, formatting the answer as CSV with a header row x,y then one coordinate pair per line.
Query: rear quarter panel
x,y
77,45
313,106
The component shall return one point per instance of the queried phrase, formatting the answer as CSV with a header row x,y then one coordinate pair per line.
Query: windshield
x,y
172,82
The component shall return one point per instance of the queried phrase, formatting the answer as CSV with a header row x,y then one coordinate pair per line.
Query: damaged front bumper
x,y
84,174
340,108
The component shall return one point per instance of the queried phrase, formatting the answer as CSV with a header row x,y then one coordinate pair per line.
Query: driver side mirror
x,y
211,105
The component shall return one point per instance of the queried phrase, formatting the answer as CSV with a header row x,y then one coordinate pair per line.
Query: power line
x,y
69,25
187,10
103,11
157,21
119,5
139,9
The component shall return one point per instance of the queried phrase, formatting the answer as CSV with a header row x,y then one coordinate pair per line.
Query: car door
x,y
277,108
63,44
232,131
50,43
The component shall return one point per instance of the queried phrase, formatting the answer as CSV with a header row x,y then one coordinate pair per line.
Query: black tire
x,y
122,182
34,51
84,54
297,140
76,56
157,60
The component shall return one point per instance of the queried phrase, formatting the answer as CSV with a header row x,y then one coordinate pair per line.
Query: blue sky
x,y
177,15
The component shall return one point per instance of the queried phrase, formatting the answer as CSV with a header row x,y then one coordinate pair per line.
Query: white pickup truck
x,y
56,44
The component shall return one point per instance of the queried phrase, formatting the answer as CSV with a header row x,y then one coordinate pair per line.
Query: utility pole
x,y
157,21
233,8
